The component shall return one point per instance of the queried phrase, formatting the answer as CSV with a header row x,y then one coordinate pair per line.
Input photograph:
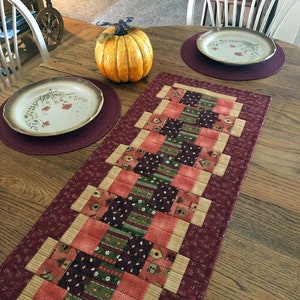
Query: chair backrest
x,y
15,19
261,15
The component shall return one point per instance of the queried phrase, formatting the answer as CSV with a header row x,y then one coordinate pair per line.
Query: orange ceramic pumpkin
x,y
124,55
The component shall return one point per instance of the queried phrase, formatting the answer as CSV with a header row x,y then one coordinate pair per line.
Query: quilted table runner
x,y
145,216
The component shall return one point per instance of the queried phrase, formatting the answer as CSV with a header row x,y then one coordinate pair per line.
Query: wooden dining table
x,y
259,257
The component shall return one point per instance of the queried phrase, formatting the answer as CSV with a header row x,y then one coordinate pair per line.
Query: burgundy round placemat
x,y
71,141
202,64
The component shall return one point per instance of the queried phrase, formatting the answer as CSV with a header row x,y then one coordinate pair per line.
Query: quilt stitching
x,y
132,229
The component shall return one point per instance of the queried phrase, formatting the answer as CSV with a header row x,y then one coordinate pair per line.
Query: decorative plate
x,y
53,106
236,45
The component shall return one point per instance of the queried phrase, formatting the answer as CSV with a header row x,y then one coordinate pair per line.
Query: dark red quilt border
x,y
58,216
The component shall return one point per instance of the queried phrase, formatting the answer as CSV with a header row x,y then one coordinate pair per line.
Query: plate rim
x,y
215,30
15,95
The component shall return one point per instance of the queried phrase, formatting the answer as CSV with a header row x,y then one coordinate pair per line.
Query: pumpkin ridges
x,y
141,49
110,63
99,54
135,61
145,46
142,36
122,60
103,57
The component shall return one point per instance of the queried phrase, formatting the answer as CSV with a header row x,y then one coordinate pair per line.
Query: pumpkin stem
x,y
122,27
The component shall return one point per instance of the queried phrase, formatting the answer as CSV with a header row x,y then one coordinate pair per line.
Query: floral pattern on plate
x,y
236,49
236,45
53,106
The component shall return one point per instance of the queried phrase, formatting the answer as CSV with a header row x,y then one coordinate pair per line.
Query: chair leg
x,y
190,12
204,14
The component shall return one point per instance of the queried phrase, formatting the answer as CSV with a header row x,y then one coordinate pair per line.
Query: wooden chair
x,y
13,13
261,15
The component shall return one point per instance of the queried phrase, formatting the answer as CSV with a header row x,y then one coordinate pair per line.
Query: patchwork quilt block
x,y
152,227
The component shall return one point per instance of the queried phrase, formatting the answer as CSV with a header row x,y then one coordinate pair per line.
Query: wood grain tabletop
x,y
259,258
